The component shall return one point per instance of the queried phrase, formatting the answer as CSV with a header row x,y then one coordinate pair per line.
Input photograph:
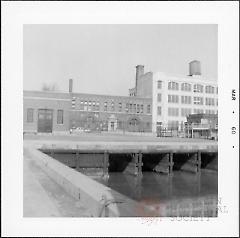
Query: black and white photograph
x,y
100,148
124,120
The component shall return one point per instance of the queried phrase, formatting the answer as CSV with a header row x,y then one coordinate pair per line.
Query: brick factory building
x,y
46,111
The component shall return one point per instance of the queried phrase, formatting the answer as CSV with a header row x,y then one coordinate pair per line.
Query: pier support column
x,y
140,164
105,164
135,166
213,164
165,164
193,164
199,161
171,163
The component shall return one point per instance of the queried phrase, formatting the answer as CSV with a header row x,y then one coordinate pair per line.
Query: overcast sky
x,y
101,59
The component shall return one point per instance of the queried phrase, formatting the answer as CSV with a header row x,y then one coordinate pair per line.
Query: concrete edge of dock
x,y
100,200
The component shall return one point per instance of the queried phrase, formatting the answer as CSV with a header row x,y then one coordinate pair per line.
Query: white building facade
x,y
175,97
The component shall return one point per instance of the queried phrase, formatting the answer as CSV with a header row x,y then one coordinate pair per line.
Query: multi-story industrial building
x,y
175,97
158,101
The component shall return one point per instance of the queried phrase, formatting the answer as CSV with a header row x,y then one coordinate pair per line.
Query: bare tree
x,y
49,87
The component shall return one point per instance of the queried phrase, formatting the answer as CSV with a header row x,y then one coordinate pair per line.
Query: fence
x,y
194,130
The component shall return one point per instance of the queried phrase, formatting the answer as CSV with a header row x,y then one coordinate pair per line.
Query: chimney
x,y
70,85
139,72
194,68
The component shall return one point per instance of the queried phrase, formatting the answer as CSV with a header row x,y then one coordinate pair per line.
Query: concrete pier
x,y
62,160
193,163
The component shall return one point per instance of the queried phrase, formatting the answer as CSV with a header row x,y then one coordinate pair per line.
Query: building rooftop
x,y
191,79
55,94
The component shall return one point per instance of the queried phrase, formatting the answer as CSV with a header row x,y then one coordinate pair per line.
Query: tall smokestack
x,y
194,68
139,72
70,85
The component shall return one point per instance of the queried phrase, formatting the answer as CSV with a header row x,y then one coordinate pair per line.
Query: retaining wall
x,y
99,199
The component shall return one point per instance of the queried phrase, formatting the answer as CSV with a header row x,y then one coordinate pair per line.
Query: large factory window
x,y
209,101
148,108
127,107
89,106
186,87
85,106
198,88
198,100
173,86
94,106
173,98
30,115
112,106
130,107
97,106
82,105
138,108
59,116
134,108
209,89
120,107
105,106
186,99
159,83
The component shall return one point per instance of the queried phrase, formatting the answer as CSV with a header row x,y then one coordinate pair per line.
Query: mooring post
x,y
105,163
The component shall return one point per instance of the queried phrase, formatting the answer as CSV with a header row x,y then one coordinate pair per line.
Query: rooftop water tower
x,y
194,68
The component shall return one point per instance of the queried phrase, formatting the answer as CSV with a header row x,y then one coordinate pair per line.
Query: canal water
x,y
181,194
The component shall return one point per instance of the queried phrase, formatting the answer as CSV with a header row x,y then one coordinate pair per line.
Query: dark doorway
x,y
45,120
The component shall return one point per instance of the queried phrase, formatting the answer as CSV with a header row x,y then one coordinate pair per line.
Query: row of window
x,y
184,111
198,88
89,106
129,107
30,116
188,100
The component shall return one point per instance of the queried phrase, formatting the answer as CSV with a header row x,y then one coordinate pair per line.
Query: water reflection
x,y
182,193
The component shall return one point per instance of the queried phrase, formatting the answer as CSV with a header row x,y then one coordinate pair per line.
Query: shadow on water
x,y
118,162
